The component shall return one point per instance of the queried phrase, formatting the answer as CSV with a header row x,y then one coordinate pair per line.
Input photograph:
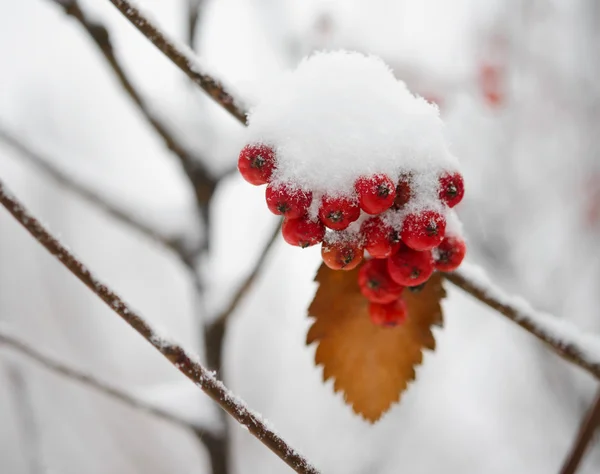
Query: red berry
x,y
388,315
376,284
338,213
342,255
287,201
452,188
408,267
450,254
423,230
256,163
302,232
380,238
402,191
375,193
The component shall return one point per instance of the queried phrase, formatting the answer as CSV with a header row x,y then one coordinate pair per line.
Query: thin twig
x,y
580,349
102,203
586,433
26,414
249,281
65,370
203,183
182,359
183,58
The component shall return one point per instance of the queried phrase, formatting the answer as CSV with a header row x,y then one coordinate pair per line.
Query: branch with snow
x,y
63,369
202,181
563,337
184,58
72,184
184,360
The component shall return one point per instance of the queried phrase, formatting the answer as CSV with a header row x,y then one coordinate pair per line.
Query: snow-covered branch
x,y
192,164
566,339
184,58
184,360
75,186
64,369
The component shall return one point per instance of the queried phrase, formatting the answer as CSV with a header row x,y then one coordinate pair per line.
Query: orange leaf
x,y
370,364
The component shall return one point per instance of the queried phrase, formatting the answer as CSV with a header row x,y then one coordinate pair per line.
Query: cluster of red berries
x,y
402,256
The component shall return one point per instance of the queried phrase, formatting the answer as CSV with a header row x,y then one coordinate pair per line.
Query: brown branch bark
x,y
184,59
70,183
183,360
63,369
568,350
585,435
203,184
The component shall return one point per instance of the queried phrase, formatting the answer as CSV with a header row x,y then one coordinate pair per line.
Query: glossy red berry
x,y
388,315
452,188
342,255
338,213
287,201
449,254
256,163
403,191
376,284
375,193
423,230
381,240
302,232
409,267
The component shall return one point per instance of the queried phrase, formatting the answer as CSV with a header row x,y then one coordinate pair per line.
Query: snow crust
x,y
341,115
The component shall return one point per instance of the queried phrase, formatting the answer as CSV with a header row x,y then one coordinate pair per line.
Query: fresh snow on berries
x,y
353,161
343,115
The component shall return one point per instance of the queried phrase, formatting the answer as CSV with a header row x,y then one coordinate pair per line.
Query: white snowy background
x,y
490,399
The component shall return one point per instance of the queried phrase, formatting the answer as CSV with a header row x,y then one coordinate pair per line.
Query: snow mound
x,y
341,115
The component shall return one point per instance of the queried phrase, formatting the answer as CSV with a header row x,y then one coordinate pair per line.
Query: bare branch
x,y
561,336
249,281
63,369
199,176
586,433
185,361
73,185
184,59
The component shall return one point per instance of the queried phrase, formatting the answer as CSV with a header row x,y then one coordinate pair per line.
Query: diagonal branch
x,y
542,326
70,183
187,362
561,336
586,433
203,183
63,369
184,59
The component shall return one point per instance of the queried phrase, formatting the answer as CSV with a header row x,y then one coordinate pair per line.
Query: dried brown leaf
x,y
371,365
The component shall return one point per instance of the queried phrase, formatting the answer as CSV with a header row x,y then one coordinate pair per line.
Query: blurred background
x,y
516,83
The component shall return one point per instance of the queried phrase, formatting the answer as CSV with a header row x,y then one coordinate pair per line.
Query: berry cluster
x,y
406,242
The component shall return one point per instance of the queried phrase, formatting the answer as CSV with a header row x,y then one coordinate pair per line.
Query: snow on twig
x,y
199,176
72,184
562,336
184,360
185,59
